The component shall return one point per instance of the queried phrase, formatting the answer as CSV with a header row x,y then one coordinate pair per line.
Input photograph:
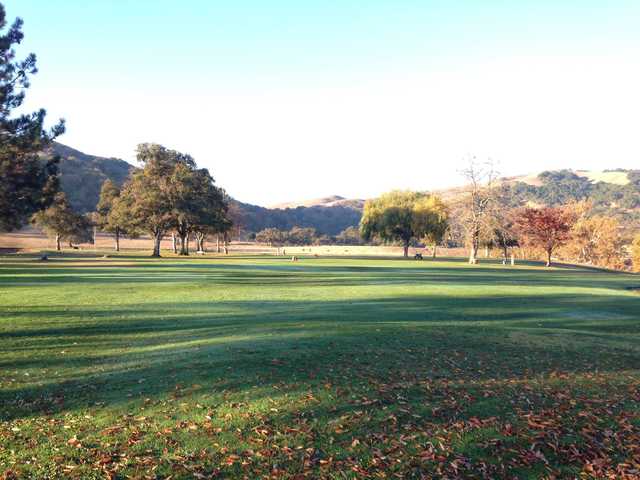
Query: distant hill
x,y
331,201
327,220
613,192
82,175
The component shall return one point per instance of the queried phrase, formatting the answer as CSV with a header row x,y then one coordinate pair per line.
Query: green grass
x,y
257,367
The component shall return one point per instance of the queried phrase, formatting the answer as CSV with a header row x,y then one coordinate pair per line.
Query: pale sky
x,y
288,100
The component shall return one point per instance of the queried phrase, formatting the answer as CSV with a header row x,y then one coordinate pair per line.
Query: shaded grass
x,y
332,368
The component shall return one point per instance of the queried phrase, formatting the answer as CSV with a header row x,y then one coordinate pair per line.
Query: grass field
x,y
257,367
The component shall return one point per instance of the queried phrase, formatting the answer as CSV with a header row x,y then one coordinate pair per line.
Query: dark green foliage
x,y
61,222
564,186
169,193
27,183
295,236
634,178
150,197
302,236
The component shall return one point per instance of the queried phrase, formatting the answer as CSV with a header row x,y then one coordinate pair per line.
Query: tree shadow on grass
x,y
221,274
103,353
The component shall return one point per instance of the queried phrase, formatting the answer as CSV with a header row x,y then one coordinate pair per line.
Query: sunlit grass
x,y
327,367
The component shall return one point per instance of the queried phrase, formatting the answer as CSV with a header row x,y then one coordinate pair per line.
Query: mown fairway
x,y
258,367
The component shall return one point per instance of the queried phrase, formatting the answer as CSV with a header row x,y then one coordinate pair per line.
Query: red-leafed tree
x,y
547,228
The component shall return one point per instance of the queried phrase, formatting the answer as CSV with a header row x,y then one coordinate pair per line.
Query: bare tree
x,y
479,204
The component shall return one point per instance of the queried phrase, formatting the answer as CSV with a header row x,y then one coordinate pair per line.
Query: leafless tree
x,y
479,204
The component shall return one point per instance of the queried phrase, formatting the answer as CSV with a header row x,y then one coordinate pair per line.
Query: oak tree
x,y
107,217
59,221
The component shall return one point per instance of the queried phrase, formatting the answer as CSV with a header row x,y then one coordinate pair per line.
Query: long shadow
x,y
315,275
198,341
194,315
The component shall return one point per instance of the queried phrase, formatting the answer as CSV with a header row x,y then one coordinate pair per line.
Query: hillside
x,y
82,175
613,192
331,201
327,220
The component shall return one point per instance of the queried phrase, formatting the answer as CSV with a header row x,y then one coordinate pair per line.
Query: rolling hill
x,y
82,175
331,201
612,192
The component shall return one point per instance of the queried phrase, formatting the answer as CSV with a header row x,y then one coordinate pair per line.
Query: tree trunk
x,y
58,242
226,245
184,244
157,238
435,249
117,234
473,252
505,253
70,244
405,249
548,257
218,243
200,242
174,242
486,252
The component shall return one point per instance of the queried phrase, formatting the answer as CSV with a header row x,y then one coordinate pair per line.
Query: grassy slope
x,y
333,368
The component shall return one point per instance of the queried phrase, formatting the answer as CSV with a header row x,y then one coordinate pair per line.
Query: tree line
x,y
275,237
169,194
487,215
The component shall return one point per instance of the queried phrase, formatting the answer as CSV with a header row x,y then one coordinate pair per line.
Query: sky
x,y
289,100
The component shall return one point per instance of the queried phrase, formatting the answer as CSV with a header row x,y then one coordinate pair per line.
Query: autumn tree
x,y
399,216
61,222
547,228
596,240
27,182
635,253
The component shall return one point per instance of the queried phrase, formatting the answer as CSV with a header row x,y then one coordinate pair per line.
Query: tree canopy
x,y
402,216
61,222
547,228
169,193
108,216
